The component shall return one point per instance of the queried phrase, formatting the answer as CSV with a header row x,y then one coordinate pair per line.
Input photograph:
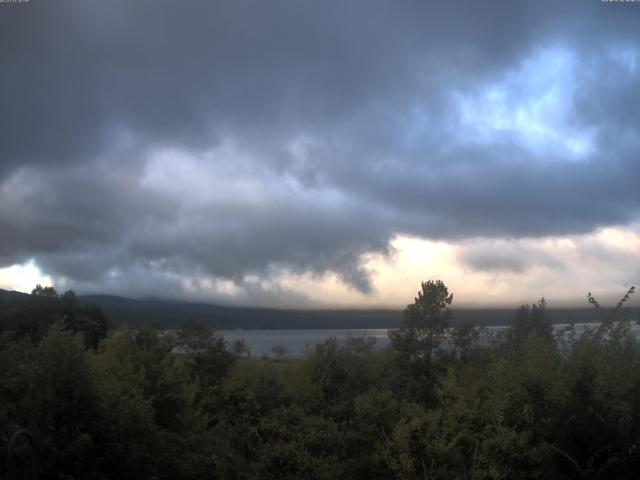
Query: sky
x,y
321,154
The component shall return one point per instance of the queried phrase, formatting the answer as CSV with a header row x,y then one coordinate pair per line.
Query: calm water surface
x,y
296,342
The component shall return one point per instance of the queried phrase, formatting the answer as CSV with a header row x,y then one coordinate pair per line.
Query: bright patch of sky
x,y
560,268
23,277
481,272
531,105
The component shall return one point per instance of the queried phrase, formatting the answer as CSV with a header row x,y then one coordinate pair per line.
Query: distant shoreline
x,y
166,314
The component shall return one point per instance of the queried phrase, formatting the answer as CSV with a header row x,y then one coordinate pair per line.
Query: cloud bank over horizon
x,y
300,154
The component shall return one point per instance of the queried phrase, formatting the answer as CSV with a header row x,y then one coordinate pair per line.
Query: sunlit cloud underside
x,y
481,273
23,278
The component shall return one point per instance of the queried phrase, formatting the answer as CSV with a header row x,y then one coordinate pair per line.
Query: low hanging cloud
x,y
150,147
508,256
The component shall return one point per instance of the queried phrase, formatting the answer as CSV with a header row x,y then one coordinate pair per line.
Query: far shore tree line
x,y
114,403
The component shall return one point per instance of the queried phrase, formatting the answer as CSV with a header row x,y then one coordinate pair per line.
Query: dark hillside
x,y
170,314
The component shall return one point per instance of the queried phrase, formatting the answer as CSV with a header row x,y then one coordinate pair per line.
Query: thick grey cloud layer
x,y
154,140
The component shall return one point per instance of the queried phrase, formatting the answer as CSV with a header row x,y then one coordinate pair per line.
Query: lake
x,y
296,342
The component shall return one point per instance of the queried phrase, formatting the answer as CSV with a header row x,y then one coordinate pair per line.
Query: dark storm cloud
x,y
346,118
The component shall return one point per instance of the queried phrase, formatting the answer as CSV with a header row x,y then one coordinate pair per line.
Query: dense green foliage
x,y
437,403
30,316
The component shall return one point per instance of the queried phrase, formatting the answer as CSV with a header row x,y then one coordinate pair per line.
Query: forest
x,y
439,402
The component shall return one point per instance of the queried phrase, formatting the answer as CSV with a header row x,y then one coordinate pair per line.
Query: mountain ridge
x,y
172,313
